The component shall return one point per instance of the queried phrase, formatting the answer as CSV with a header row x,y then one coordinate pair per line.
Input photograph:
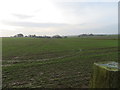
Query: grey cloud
x,y
21,16
33,24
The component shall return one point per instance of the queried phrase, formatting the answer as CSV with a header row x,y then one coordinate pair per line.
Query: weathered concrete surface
x,y
105,75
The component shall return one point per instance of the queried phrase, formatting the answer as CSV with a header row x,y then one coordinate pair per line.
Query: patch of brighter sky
x,y
63,17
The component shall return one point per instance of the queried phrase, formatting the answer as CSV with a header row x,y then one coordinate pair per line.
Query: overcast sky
x,y
63,17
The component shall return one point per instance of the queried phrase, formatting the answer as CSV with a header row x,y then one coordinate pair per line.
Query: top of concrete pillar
x,y
111,65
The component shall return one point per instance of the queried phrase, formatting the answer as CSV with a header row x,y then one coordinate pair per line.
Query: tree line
x,y
34,36
55,36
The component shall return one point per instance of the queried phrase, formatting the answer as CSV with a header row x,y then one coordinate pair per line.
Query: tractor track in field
x,y
77,52
47,59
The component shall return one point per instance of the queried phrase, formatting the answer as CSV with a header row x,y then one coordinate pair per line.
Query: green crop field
x,y
54,62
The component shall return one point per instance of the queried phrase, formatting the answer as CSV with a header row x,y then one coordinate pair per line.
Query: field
x,y
54,62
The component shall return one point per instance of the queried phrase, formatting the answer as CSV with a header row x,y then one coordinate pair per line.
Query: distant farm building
x,y
57,36
82,35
